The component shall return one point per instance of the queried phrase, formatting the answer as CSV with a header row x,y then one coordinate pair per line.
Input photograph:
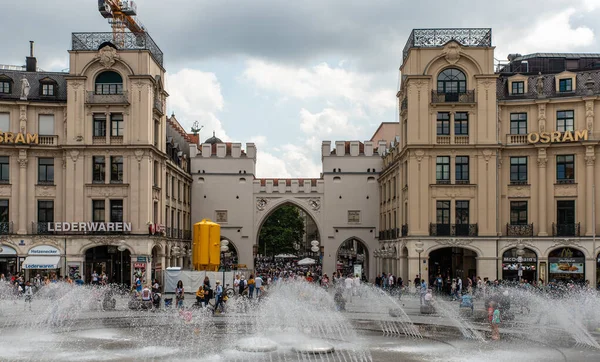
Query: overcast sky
x,y
289,74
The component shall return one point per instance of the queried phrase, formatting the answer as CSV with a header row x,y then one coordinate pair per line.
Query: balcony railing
x,y
6,228
461,140
446,97
443,140
128,41
430,38
519,230
168,232
180,233
40,228
453,229
93,98
48,140
516,139
405,230
566,229
187,234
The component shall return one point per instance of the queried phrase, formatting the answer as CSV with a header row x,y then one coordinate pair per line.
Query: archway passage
x,y
566,265
352,258
157,267
288,231
110,260
229,258
450,263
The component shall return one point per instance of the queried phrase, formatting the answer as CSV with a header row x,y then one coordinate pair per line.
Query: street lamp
x,y
122,248
224,249
419,249
520,253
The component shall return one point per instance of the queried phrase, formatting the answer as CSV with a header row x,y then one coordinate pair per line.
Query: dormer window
x,y
518,87
48,87
5,84
109,82
565,85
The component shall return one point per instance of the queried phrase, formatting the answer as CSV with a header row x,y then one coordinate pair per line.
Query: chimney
x,y
30,61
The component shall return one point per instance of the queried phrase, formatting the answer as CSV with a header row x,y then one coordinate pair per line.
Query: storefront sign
x,y
44,250
569,266
557,137
512,259
139,265
18,138
141,259
89,227
7,250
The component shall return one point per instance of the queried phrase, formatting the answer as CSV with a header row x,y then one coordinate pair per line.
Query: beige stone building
x,y
493,164
87,189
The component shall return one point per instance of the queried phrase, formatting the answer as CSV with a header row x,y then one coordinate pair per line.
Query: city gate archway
x,y
353,258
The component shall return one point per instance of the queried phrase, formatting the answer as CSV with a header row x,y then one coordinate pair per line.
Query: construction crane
x,y
121,15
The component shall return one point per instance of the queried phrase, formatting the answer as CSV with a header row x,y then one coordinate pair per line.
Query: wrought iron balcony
x,y
519,230
40,228
168,232
431,38
187,234
446,97
566,229
6,228
92,98
131,41
453,229
405,230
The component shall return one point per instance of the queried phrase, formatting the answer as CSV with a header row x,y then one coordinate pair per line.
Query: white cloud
x,y
552,32
196,96
320,81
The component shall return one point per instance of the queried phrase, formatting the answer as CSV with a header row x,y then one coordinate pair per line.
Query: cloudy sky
x,y
288,74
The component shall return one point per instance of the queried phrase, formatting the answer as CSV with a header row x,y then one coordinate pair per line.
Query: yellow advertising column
x,y
206,236
215,246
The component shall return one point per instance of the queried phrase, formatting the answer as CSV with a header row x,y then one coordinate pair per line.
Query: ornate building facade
x,y
494,172
84,186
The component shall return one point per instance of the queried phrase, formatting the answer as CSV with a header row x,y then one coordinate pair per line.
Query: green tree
x,y
281,230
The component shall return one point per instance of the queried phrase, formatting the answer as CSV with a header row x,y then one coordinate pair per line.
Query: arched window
x,y
452,80
109,82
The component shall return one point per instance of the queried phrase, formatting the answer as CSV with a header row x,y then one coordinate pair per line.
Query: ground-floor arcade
x,y
510,259
120,257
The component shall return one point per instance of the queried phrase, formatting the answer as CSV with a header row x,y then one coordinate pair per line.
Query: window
x,y
442,170
518,123
109,83
4,214
116,124
452,81
518,170
353,216
565,219
116,169
442,217
518,87
48,89
46,171
564,121
518,212
167,185
4,122
46,124
565,168
5,86
443,124
156,174
462,217
565,85
4,169
156,132
99,125
461,124
179,190
99,172
173,186
98,214
116,210
45,211
462,169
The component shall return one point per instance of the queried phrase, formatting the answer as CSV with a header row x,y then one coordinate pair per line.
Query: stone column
x,y
163,260
542,220
589,181
22,192
180,262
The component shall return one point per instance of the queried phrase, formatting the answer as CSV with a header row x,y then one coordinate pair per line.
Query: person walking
x,y
251,286
28,295
219,297
258,282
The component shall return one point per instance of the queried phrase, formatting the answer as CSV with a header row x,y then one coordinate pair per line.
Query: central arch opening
x,y
288,240
108,259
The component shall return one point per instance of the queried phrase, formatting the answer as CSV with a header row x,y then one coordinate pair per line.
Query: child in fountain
x,y
495,322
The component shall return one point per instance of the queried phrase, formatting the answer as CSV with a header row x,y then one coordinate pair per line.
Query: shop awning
x,y
41,262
